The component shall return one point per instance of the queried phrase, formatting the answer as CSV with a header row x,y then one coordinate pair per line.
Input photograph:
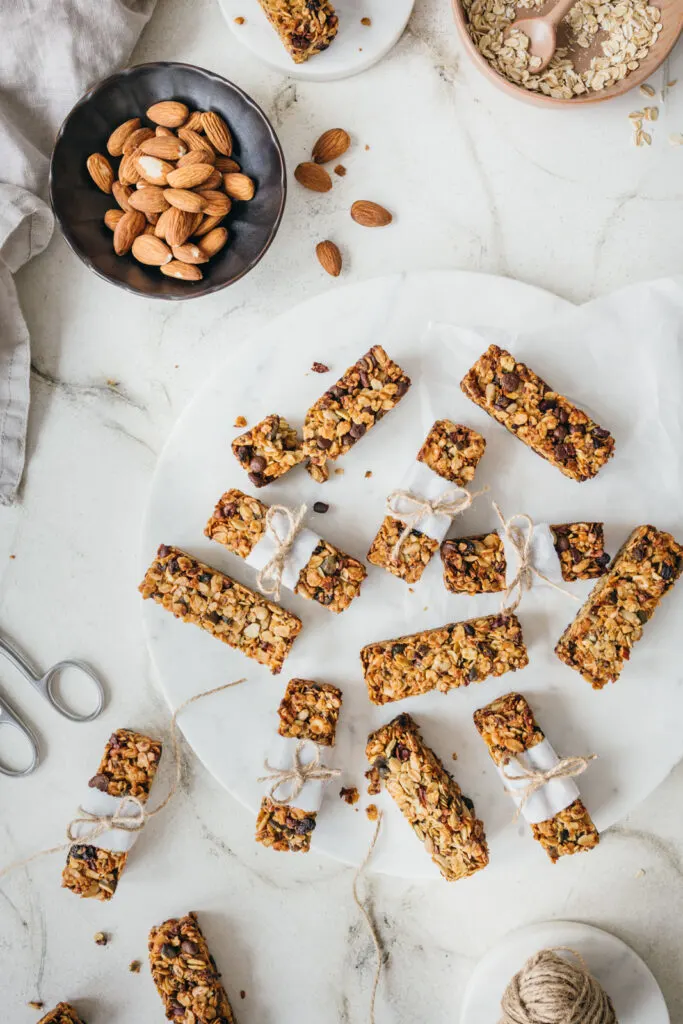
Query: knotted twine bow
x,y
551,990
119,820
537,778
521,540
298,774
450,502
269,579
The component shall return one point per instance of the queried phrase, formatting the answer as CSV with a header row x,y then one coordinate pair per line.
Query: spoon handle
x,y
559,11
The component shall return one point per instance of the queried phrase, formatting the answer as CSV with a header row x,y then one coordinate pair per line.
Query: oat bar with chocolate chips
x,y
453,655
580,548
310,711
186,975
509,728
305,27
601,637
367,391
330,577
127,768
237,616
268,450
63,1013
283,828
543,419
427,795
413,556
452,451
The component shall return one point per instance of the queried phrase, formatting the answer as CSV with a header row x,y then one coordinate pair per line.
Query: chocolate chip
x,y
245,452
563,416
83,852
666,572
364,379
213,617
336,392
501,402
638,554
100,782
510,381
304,826
577,556
397,649
323,443
191,948
564,835
562,544
469,804
600,432
257,479
603,559
320,506
473,674
169,951
469,629
402,387
257,464
546,405
402,753
560,432
561,452
642,616
357,430
577,428
163,551
173,566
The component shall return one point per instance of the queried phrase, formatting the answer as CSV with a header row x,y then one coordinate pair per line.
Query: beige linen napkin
x,y
51,51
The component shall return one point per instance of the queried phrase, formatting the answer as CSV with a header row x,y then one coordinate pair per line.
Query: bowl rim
x,y
83,256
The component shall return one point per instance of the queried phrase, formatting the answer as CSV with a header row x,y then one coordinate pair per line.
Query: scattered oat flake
x,y
320,368
647,138
676,139
339,472
36,1004
647,90
239,21
671,84
372,812
640,873
101,938
134,966
637,115
349,794
241,421
651,113
340,170
366,21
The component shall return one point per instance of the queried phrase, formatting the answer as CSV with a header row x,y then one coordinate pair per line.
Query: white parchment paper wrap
x,y
425,483
550,799
304,545
116,840
281,756
544,557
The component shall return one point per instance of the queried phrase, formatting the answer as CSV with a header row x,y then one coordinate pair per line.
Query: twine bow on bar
x,y
537,778
119,820
269,579
521,538
410,509
298,774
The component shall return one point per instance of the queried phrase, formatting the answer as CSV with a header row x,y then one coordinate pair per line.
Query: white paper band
x,y
551,798
281,756
304,545
423,481
99,803
544,557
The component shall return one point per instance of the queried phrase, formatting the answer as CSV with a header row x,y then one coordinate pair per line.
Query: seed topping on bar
x,y
185,974
544,419
63,1013
309,711
194,592
453,451
601,637
306,27
427,795
453,655
268,450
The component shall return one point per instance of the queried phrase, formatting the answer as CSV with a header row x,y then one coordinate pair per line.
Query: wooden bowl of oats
x,y
605,48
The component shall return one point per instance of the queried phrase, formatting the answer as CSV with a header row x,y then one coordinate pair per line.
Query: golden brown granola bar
x,y
601,637
186,975
440,816
310,711
268,450
306,27
196,593
63,1013
453,451
543,419
453,655
581,550
330,577
414,553
283,828
508,726
128,768
363,394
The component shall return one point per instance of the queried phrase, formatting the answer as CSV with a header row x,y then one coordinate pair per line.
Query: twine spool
x,y
552,990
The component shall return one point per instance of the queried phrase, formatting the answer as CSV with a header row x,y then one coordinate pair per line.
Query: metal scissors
x,y
45,686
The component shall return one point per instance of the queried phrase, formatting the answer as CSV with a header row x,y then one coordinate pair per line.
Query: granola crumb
x,y
366,21
240,421
372,812
101,938
36,1004
368,474
134,966
411,590
349,794
112,383
339,472
454,756
243,994
340,170
239,21
640,873
671,84
13,556
320,368
367,147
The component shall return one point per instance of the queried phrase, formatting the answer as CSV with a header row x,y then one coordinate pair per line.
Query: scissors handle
x,y
10,718
45,685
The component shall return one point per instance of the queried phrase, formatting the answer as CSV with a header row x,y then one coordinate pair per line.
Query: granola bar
x,y
477,565
453,451
63,1013
453,655
509,728
441,817
185,974
128,768
366,392
196,593
601,637
268,450
542,418
413,556
309,711
306,27
283,828
330,577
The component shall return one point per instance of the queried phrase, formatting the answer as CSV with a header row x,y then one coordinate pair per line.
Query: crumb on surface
x,y
454,756
240,421
372,812
13,556
321,507
640,873
101,938
239,21
340,170
36,1004
349,794
320,368
339,472
366,146
368,474
411,590
366,21
243,994
134,966
112,383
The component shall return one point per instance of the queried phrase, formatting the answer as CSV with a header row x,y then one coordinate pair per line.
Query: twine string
x,y
521,538
550,989
297,774
411,508
269,579
369,922
537,778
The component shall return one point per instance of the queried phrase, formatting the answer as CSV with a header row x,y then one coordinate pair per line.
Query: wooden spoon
x,y
542,32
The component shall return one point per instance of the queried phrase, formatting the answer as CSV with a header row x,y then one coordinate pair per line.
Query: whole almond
x,y
150,199
128,170
194,121
192,139
135,138
217,132
190,253
190,177
116,140
166,147
152,169
151,226
216,204
169,113
100,171
226,165
178,225
197,156
183,199
112,217
213,241
161,224
238,186
207,224
127,230
152,251
163,133
370,215
214,181
183,271
314,177
331,145
329,257
122,195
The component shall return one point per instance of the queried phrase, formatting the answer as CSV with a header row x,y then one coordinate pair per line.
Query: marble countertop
x,y
560,199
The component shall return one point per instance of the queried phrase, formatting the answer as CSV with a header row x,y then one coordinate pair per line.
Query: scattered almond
x,y
217,132
166,147
177,226
169,113
329,257
197,156
189,253
183,199
192,138
127,230
150,199
101,172
152,169
135,138
213,241
116,140
206,224
128,170
163,133
216,204
370,215
313,177
238,186
189,177
151,250
122,194
227,165
214,181
331,145
112,217
194,122
183,271
160,226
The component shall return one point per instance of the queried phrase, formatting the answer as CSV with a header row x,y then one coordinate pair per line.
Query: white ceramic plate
x,y
355,48
637,736
635,995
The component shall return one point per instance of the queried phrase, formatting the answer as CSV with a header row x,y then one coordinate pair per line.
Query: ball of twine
x,y
550,989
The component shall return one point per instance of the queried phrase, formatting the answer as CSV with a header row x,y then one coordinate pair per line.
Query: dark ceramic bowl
x,y
80,206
